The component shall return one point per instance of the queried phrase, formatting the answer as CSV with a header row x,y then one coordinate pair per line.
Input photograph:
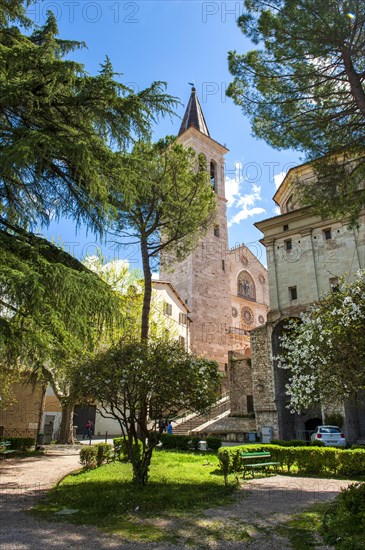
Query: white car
x,y
330,436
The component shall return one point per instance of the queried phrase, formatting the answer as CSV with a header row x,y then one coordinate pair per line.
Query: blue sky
x,y
177,42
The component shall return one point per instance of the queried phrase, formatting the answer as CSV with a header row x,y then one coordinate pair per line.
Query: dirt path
x,y
261,505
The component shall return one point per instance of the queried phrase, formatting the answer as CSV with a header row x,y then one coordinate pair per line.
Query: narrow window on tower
x,y
288,244
216,230
250,407
223,265
293,293
213,175
327,234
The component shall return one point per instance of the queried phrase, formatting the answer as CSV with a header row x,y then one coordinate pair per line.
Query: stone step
x,y
195,421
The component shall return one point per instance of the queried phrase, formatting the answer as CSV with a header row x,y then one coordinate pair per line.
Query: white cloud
x,y
278,179
233,185
276,210
244,214
243,202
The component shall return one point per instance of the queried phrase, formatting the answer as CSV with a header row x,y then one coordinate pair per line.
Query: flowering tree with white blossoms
x,y
134,377
324,350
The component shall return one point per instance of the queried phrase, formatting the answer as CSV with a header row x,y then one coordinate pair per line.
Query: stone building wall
x,y
240,384
306,256
263,383
22,417
202,279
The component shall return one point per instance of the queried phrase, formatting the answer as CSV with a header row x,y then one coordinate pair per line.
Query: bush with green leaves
x,y
180,442
289,443
103,453
344,522
20,443
317,443
224,458
213,443
88,456
121,448
310,460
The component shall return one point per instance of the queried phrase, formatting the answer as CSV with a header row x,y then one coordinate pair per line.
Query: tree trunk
x,y
355,81
66,429
141,468
147,290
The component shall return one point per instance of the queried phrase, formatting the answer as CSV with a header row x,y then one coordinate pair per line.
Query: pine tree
x,y
63,141
304,89
172,208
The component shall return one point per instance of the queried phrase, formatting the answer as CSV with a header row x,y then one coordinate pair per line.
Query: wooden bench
x,y
3,448
257,465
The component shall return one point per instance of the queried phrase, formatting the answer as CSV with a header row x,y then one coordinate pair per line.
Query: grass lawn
x,y
179,483
302,529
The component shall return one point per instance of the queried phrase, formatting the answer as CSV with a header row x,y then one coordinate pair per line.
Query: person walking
x,y
87,430
169,428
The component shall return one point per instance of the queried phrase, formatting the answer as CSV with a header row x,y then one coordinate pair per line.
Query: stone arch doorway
x,y
310,426
286,419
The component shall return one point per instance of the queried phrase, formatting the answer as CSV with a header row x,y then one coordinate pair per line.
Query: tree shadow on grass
x,y
98,499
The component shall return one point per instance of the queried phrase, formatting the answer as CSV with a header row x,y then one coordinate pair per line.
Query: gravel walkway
x,y
263,504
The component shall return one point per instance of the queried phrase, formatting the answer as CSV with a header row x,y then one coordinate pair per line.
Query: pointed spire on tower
x,y
194,115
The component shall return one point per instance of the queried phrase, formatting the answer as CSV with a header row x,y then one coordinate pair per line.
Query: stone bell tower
x,y
202,279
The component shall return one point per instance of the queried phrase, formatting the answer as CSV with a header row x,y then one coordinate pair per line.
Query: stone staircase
x,y
185,424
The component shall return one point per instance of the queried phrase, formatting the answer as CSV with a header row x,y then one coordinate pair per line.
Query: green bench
x,y
257,465
4,451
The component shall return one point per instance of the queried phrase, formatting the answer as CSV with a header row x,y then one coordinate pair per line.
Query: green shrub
x,y
352,462
344,522
310,460
224,458
20,443
121,448
290,443
103,453
194,443
317,443
179,442
88,456
213,443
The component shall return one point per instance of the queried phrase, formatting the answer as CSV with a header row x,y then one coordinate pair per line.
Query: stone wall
x,y
263,384
240,383
22,417
232,428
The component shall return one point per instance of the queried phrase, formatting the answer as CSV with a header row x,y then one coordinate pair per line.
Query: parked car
x,y
330,436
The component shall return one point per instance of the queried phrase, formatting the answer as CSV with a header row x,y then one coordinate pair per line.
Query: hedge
x,y
20,443
290,443
309,460
180,442
188,442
